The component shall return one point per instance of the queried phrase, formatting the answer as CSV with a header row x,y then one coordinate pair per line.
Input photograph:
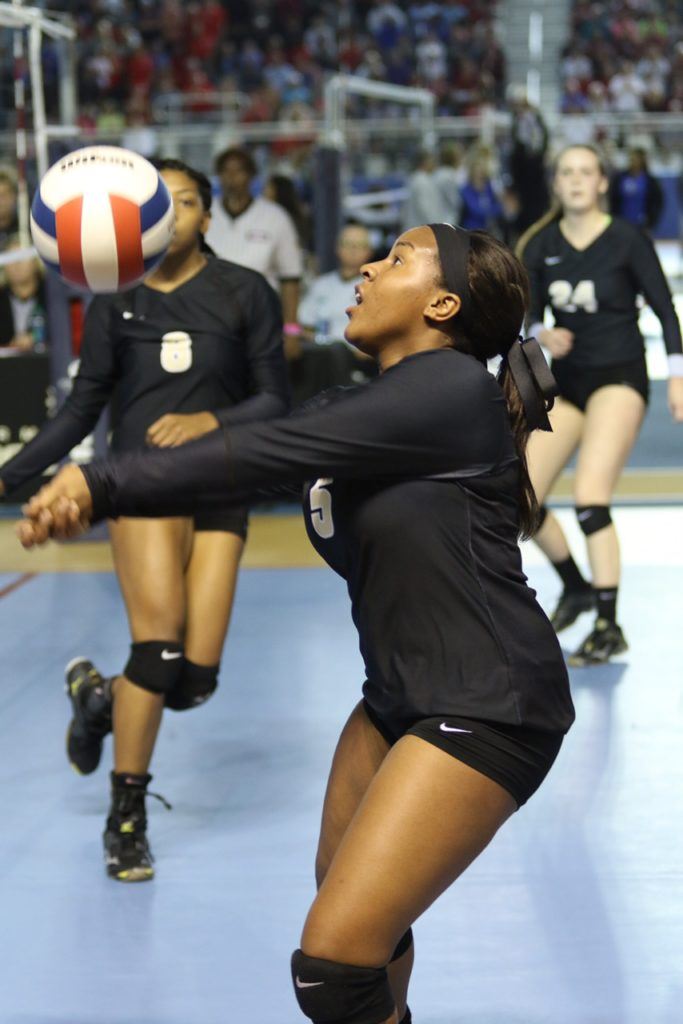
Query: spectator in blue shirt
x,y
635,194
482,209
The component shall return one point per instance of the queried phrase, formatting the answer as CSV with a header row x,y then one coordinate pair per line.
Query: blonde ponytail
x,y
549,217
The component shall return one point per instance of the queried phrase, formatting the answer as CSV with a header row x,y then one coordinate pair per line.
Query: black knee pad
x,y
155,665
403,946
593,518
331,993
195,685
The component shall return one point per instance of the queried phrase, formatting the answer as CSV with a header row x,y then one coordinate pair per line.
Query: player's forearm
x,y
162,481
265,406
289,296
52,443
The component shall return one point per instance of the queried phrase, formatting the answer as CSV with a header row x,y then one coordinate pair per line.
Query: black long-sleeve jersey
x,y
410,494
593,292
212,344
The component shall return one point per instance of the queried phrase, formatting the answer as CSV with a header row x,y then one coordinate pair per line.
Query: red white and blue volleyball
x,y
102,218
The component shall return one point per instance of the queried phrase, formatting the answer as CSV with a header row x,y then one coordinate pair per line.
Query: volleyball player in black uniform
x,y
415,491
590,268
196,346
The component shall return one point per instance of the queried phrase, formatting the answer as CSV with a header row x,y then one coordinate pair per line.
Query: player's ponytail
x,y
550,217
529,509
497,296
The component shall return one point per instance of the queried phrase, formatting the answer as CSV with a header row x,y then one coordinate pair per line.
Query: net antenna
x,y
30,24
328,199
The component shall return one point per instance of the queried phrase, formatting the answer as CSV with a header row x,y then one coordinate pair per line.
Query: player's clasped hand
x,y
173,429
61,510
558,341
676,398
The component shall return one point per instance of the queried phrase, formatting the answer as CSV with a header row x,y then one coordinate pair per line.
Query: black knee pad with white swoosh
x,y
593,518
332,993
155,665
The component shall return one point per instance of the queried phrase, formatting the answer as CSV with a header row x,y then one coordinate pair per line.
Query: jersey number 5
x,y
570,300
321,508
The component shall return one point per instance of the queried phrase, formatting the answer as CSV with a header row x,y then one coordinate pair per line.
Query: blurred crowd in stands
x,y
270,58
624,56
273,55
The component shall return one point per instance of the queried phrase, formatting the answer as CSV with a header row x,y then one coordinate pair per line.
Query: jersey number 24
x,y
570,299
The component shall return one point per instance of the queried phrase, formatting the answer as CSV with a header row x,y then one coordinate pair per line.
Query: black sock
x,y
606,602
570,574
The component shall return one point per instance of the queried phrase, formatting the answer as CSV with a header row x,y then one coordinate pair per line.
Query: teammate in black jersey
x,y
589,269
415,491
196,346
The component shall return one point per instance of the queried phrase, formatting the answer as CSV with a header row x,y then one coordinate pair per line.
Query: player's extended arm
x,y
436,413
90,392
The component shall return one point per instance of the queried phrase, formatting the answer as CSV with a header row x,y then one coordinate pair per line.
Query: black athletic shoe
x,y
572,603
91,702
126,850
605,640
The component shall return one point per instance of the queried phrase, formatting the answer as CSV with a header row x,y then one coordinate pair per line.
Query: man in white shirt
x,y
328,359
627,90
321,311
259,234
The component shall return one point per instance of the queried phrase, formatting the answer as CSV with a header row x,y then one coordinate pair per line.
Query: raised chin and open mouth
x,y
359,298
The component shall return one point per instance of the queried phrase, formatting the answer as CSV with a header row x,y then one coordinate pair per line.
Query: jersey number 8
x,y
569,299
320,501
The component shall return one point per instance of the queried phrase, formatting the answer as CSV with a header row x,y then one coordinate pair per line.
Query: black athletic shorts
x,y
223,520
577,385
516,757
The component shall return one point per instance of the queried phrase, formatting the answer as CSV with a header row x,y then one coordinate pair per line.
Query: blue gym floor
x,y
574,915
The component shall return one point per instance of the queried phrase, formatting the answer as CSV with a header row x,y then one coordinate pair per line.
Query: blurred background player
x,y
328,359
635,194
450,175
258,233
527,160
481,205
589,269
22,302
197,345
9,224
424,203
281,189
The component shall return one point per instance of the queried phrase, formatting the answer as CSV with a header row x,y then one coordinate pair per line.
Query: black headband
x,y
535,383
453,245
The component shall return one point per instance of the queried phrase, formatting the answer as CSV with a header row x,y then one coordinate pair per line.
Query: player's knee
x,y
155,665
195,685
593,518
329,991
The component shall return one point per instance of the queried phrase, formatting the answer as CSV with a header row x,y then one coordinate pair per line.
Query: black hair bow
x,y
534,381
